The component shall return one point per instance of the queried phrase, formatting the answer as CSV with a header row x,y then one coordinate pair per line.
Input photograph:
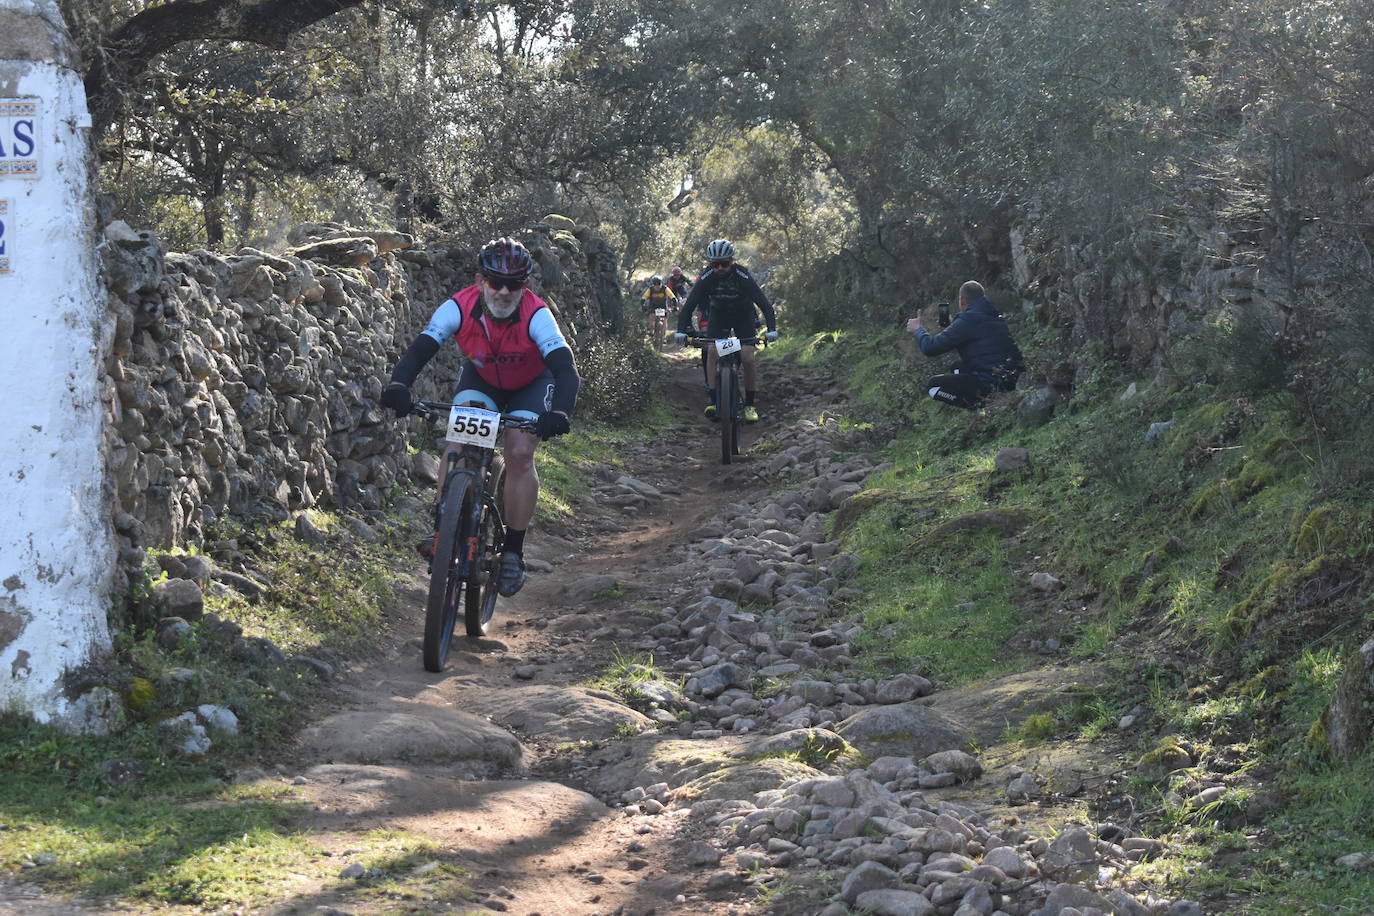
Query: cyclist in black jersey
x,y
730,295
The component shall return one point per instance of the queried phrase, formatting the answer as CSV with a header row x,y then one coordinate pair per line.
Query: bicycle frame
x,y
469,530
729,393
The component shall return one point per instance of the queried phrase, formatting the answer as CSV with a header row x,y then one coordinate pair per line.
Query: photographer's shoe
x,y
510,574
750,414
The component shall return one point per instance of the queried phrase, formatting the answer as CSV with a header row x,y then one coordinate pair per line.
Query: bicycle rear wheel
x,y
445,578
726,395
479,603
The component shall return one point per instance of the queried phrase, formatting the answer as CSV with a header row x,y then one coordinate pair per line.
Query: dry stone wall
x,y
244,386
1143,295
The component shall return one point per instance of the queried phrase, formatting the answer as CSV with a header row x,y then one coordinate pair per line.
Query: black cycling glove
x,y
551,424
397,397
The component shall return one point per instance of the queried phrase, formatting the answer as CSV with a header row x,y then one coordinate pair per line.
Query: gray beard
x,y
497,311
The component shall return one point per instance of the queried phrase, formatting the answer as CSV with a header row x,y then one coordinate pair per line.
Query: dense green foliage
x,y
864,170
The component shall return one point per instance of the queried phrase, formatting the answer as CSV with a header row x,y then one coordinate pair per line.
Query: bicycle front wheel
x,y
479,602
445,576
727,394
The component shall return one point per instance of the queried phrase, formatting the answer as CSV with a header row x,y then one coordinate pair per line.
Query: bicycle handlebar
x,y
436,410
703,339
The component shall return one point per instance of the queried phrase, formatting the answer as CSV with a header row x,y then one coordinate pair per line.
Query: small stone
x,y
526,672
894,902
869,876
321,669
1044,582
219,718
354,870
1356,860
195,741
1154,434
701,855
1022,788
1010,459
963,766
121,772
171,631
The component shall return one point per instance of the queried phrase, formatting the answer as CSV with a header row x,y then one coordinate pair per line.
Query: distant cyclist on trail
x,y
657,296
679,284
517,362
729,294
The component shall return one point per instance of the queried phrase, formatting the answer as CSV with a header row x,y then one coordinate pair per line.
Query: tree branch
x,y
128,51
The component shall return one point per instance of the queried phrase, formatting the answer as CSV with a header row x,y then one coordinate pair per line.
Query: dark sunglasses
x,y
503,283
719,264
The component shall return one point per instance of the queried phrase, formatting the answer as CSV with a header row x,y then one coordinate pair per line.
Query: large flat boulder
x,y
418,734
560,714
905,729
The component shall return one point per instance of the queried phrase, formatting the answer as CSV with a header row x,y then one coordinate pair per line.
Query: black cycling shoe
x,y
425,546
510,574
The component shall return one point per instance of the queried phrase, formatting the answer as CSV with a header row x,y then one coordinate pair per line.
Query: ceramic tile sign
x,y
6,220
18,138
6,235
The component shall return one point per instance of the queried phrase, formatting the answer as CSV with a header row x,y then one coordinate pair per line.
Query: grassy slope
x,y
1218,570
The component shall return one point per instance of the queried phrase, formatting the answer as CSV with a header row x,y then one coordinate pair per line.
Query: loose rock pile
x,y
762,613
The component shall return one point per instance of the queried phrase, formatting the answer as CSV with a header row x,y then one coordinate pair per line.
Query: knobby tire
x,y
479,603
445,584
726,396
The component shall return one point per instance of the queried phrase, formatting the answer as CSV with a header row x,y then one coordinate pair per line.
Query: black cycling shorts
x,y
738,319
530,401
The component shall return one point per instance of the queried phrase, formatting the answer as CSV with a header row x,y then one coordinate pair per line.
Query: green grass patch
x,y
313,596
629,677
1221,569
945,611
180,835
178,832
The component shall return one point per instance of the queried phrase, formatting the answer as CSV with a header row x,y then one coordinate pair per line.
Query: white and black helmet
x,y
720,250
655,280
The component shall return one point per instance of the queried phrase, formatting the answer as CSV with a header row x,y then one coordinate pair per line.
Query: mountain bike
x,y
729,389
660,327
469,532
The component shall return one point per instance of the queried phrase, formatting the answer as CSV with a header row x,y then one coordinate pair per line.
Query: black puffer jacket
x,y
981,336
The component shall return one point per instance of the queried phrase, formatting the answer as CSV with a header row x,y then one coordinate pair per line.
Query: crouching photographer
x,y
989,359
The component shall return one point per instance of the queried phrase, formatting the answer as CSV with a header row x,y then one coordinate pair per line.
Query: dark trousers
x,y
959,390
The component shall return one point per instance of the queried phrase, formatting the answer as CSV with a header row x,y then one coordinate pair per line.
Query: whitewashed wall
x,y
56,546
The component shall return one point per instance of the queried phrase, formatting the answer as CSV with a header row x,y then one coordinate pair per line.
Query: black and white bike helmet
x,y
720,250
655,280
505,257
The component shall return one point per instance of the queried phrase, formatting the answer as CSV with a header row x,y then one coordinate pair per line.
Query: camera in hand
x,y
943,312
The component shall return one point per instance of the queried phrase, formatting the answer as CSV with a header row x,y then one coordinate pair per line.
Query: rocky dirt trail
x,y
749,766
494,758
739,761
